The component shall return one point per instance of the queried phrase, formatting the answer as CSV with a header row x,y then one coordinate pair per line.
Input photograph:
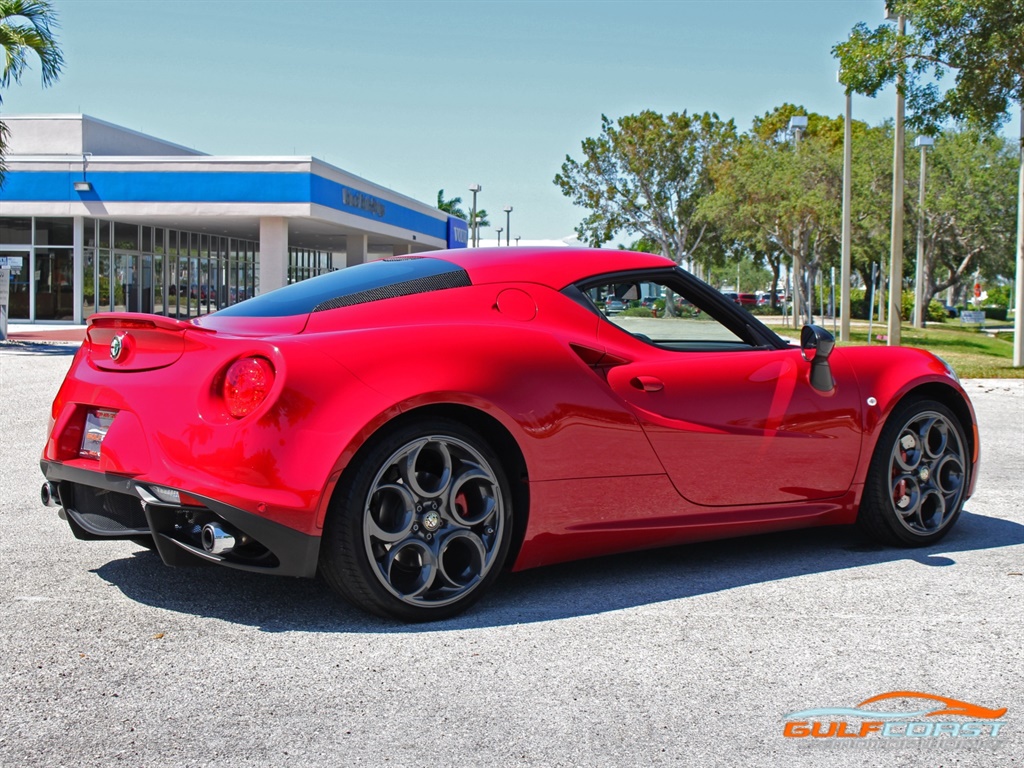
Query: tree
x,y
26,27
779,200
969,202
645,175
643,245
871,199
454,207
982,43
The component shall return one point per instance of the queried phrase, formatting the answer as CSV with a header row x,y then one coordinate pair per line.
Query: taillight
x,y
247,384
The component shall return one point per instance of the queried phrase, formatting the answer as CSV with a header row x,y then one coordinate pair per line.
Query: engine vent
x,y
454,279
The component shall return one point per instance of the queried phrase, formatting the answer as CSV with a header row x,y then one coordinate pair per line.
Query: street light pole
x,y
896,244
846,266
508,224
1018,303
920,315
517,240
500,230
797,126
474,188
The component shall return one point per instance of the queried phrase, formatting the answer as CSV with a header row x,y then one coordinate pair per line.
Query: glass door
x,y
19,263
123,282
146,283
54,284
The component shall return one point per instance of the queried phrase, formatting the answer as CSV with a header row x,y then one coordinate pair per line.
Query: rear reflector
x,y
172,496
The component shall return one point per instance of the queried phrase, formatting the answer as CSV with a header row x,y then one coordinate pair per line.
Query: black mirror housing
x,y
816,345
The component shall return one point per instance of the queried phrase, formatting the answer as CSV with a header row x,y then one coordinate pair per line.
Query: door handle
x,y
647,383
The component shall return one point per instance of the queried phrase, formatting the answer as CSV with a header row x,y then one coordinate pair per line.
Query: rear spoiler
x,y
140,320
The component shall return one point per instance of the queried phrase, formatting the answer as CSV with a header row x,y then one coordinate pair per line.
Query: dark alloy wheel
x,y
918,478
421,523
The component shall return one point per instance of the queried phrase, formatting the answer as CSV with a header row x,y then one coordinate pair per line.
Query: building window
x,y
15,231
55,232
304,263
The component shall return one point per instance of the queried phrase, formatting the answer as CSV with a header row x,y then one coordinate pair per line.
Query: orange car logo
x,y
952,706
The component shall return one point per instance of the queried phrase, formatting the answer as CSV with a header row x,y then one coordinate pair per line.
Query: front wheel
x,y
917,481
421,523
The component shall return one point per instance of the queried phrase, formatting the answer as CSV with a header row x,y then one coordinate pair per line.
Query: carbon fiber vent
x,y
454,279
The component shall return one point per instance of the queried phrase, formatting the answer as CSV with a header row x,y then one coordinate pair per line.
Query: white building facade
x,y
95,217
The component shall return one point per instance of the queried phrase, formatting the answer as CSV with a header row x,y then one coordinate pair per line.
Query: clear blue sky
x,y
423,95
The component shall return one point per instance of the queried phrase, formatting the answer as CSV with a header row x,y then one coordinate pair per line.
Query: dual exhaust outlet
x,y
49,495
216,539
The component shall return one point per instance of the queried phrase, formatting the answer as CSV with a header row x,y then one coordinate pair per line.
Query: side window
x,y
658,314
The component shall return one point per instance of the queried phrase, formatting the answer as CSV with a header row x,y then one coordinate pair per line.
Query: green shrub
x,y
859,306
859,303
999,296
935,313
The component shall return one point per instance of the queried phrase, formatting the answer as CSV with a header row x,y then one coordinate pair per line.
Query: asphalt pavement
x,y
690,656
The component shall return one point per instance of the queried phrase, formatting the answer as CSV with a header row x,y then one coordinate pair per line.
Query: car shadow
x,y
568,590
15,347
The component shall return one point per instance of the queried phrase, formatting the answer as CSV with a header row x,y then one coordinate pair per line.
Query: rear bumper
x,y
100,505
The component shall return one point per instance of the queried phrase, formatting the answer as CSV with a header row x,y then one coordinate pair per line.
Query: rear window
x,y
360,284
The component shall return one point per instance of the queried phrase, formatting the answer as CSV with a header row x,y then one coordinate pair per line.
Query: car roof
x,y
554,267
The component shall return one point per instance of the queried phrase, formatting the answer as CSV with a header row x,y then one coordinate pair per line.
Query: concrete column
x,y
401,250
355,252
78,266
273,253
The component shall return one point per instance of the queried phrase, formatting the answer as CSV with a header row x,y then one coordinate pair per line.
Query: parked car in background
x,y
238,294
747,300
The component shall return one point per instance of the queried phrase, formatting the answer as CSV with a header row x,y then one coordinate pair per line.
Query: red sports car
x,y
411,426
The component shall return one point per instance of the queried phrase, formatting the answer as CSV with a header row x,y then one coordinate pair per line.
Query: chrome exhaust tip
x,y
49,495
216,540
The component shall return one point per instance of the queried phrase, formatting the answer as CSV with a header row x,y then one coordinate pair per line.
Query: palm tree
x,y
452,206
26,26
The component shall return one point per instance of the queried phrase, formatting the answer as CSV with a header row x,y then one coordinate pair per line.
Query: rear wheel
x,y
421,525
917,481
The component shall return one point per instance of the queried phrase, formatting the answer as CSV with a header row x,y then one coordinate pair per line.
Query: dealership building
x,y
95,217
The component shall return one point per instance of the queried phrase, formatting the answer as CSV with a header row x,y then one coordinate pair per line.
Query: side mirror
x,y
816,345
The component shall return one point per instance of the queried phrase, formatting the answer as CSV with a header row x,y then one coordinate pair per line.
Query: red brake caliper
x,y
899,492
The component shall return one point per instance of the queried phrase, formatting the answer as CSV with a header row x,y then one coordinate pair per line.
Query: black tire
x,y
420,524
918,478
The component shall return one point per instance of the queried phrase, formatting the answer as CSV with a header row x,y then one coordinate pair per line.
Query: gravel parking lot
x,y
686,656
